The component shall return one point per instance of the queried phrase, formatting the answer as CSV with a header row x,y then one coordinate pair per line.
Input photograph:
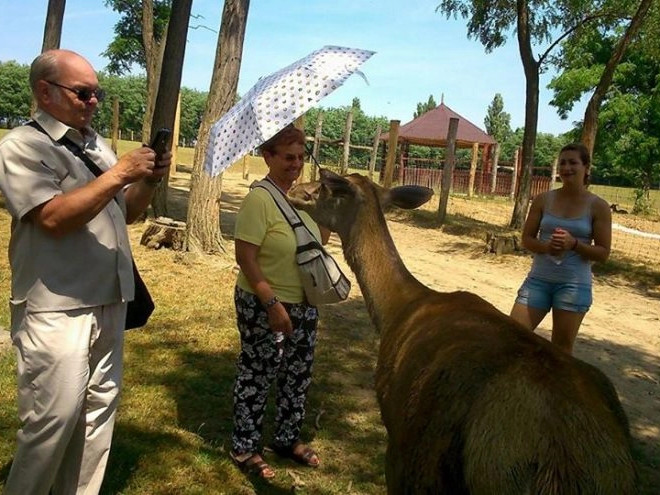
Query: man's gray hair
x,y
43,67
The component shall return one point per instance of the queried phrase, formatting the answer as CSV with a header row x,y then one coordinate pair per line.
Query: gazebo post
x,y
391,153
473,169
493,177
485,166
448,170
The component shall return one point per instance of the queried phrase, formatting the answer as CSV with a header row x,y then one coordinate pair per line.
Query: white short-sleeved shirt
x,y
89,267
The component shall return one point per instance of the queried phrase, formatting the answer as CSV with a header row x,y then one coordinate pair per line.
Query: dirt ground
x,y
620,334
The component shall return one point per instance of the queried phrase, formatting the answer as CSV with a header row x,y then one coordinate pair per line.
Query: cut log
x,y
502,243
164,232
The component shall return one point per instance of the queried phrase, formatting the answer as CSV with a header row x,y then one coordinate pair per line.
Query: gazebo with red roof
x,y
430,129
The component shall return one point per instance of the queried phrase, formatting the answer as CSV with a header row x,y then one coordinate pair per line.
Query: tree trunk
x,y
170,85
153,55
531,67
53,26
590,126
203,221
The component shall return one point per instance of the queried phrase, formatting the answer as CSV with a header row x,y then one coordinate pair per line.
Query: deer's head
x,y
335,201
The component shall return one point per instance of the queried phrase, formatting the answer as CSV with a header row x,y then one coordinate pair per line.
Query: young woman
x,y
277,326
567,229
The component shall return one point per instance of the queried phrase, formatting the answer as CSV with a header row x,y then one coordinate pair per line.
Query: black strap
x,y
73,148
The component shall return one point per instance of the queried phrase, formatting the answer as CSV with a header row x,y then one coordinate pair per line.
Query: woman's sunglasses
x,y
84,94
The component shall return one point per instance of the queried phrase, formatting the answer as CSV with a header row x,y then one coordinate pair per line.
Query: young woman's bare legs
x,y
529,317
565,326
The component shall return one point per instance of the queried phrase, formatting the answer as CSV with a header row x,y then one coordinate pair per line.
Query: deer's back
x,y
473,403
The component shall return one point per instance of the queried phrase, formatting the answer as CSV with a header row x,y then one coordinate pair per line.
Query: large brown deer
x,y
472,402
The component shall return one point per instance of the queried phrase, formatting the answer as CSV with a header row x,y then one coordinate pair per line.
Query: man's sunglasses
x,y
84,94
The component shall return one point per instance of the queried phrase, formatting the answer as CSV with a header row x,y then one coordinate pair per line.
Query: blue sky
x,y
418,52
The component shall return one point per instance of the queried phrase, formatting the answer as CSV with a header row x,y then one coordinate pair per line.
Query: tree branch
x,y
579,24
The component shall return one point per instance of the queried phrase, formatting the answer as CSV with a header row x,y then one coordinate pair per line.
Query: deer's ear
x,y
337,184
409,197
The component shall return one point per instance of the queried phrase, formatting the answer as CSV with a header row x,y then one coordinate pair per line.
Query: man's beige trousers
x,y
69,376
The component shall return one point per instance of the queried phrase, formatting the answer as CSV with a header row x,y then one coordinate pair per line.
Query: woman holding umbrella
x,y
276,325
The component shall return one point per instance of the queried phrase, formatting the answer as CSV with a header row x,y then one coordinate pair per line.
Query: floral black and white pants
x,y
261,362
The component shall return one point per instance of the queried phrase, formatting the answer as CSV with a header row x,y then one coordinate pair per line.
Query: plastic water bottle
x,y
279,343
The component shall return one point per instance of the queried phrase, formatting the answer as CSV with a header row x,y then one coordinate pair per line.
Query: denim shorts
x,y
569,296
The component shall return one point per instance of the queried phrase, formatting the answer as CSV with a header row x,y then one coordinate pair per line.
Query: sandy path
x,y
620,335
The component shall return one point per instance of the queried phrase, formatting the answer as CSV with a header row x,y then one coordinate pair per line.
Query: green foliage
x,y
546,149
193,104
497,121
627,148
16,97
491,22
127,48
132,93
422,108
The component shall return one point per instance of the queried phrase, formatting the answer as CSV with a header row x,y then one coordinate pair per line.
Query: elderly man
x,y
71,276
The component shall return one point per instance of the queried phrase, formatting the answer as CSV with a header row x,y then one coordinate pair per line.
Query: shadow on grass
x,y
200,386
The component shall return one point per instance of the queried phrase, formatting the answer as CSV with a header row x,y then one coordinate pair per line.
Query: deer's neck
x,y
386,284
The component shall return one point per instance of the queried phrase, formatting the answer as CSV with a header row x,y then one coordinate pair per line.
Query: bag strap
x,y
74,149
291,215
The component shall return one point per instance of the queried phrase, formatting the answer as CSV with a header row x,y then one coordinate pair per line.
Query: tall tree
x,y
422,108
169,85
139,40
53,26
534,22
590,125
203,222
497,121
626,148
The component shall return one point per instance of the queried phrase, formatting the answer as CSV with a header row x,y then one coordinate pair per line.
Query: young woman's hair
x,y
289,135
585,157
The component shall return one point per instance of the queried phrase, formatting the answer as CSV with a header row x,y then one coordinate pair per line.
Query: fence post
x,y
115,124
391,153
374,153
347,141
496,159
473,169
514,175
553,174
317,144
448,170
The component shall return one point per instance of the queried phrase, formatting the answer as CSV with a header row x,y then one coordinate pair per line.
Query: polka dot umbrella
x,y
277,100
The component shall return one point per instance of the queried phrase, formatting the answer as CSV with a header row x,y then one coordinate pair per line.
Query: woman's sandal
x,y
252,463
302,454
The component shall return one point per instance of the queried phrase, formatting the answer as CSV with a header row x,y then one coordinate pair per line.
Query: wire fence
x,y
634,237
